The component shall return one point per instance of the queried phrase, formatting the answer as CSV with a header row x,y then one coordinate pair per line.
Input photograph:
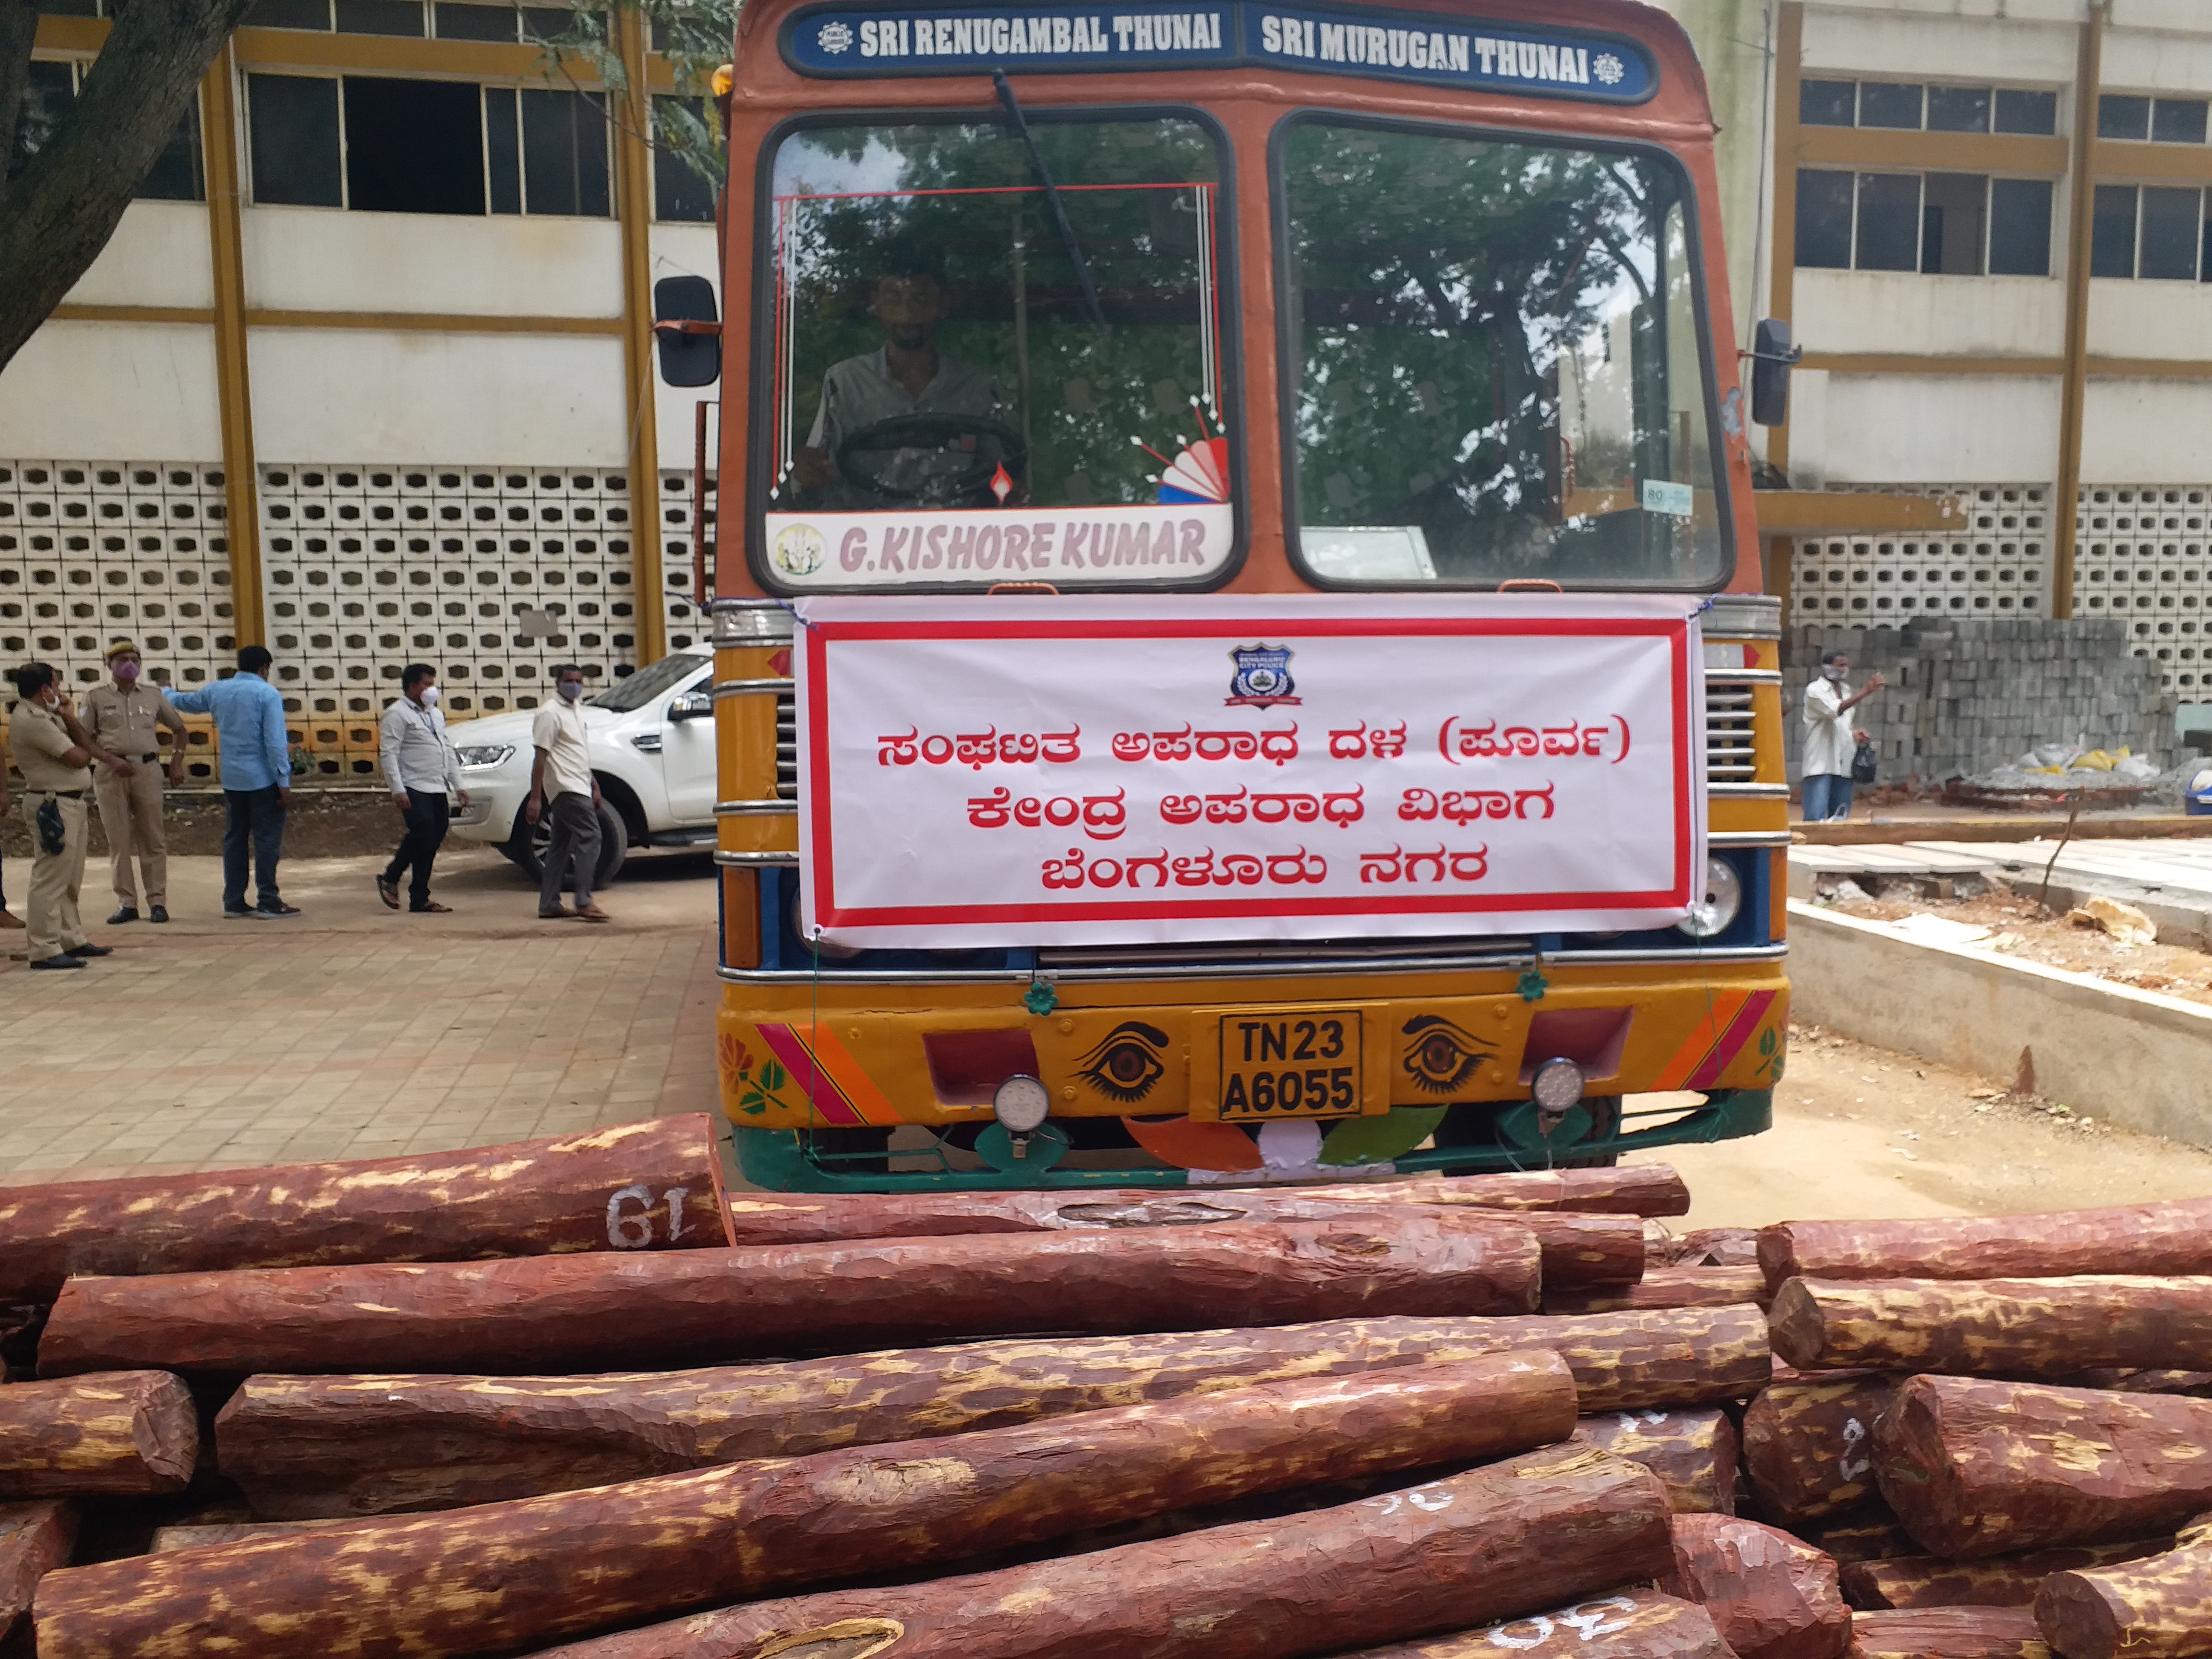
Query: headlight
x,y
477,757
1716,912
1021,1103
1557,1086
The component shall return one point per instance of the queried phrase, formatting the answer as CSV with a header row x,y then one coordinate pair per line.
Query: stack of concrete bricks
x,y
1965,697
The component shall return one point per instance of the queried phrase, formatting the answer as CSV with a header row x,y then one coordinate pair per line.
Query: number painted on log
x,y
633,1229
1429,1498
1579,1619
1854,1436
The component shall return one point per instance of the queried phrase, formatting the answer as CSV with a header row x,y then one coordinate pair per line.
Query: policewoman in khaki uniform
x,y
53,752
126,717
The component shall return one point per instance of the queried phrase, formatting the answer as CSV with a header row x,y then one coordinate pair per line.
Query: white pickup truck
x,y
652,752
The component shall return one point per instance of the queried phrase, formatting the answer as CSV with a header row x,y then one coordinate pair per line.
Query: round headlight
x,y
1557,1086
1716,912
1022,1103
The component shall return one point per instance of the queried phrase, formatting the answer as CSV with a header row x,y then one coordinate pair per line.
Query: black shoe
x,y
388,890
279,908
159,913
91,951
61,961
128,913
240,916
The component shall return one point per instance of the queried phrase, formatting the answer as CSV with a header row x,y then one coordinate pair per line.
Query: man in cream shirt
x,y
1831,739
560,782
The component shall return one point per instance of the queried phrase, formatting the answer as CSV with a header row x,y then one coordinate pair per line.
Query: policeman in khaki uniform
x,y
54,754
126,717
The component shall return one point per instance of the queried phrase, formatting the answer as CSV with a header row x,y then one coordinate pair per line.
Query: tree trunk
x,y
2128,1239
1772,1596
306,1447
1494,1543
1629,1624
34,1539
2002,1581
1664,1287
582,1312
1693,1453
1995,1327
1978,1468
1808,1447
1640,1190
115,1433
447,1584
2156,1609
637,1185
1578,1249
1948,1634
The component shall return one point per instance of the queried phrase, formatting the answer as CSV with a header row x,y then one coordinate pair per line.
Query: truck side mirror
x,y
686,329
1771,358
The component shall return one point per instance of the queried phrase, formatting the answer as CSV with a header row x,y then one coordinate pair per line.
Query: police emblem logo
x,y
1262,676
799,550
834,37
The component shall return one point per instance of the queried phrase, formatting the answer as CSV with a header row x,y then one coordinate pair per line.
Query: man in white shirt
x,y
1831,739
425,774
560,782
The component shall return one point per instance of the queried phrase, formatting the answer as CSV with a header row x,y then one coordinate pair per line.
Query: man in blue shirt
x,y
257,778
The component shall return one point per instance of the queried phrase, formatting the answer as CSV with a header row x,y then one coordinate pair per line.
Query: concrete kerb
x,y
2126,1056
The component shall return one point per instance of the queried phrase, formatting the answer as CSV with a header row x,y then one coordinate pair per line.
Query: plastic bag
x,y
1862,765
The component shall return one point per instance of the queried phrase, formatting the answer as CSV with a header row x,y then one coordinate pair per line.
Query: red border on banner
x,y
821,635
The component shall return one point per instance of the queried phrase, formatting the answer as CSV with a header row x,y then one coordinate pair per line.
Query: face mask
x,y
1836,674
50,699
570,691
126,672
430,697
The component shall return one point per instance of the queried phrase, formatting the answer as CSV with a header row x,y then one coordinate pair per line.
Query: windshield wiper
x,y
1052,199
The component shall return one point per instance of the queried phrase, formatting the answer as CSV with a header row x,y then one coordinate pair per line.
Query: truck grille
x,y
786,747
1730,754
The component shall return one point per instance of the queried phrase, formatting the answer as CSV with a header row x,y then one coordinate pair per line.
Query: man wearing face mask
x,y
55,755
126,717
425,774
561,782
1831,739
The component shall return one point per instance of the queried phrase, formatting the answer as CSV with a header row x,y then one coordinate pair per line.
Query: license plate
x,y
1303,1065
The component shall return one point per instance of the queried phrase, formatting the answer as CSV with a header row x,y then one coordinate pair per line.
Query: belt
x,y
143,760
63,794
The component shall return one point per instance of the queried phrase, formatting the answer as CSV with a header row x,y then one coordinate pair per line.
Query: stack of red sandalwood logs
x,y
572,1397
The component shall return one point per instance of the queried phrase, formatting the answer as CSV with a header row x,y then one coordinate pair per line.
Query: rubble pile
x,y
565,1411
2055,773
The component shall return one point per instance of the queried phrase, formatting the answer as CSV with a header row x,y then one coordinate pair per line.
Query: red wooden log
x,y
581,1312
2158,1607
117,1433
1948,1634
34,1539
304,1446
1578,1248
1975,1467
447,1584
1994,1327
2001,1581
1692,1452
1772,1596
2131,1380
2128,1239
1514,1538
1629,1624
1808,1446
634,1186
1641,1189
1664,1287
1868,1533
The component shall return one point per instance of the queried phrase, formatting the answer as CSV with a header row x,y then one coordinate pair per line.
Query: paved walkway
x,y
350,1031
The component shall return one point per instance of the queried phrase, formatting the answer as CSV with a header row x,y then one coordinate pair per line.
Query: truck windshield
x,y
1493,364
936,359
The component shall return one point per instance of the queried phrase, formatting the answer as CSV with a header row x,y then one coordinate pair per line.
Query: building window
x,y
678,192
2153,120
50,93
1915,106
420,146
470,20
1947,224
2152,232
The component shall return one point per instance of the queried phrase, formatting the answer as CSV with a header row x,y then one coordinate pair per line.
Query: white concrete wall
x,y
1852,311
329,260
2151,319
362,395
159,255
2146,432
111,391
2138,60
2032,42
1930,428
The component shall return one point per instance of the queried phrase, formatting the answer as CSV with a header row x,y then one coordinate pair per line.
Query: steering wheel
x,y
960,454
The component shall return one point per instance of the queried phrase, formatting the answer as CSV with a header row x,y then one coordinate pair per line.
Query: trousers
x,y
427,816
130,813
56,878
575,840
1827,796
253,818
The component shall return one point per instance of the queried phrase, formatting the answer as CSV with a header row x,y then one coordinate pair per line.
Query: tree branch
x,y
18,31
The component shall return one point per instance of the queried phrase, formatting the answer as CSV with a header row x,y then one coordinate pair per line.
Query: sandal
x,y
388,890
433,909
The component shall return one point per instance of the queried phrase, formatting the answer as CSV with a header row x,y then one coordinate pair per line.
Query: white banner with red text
x,y
1102,770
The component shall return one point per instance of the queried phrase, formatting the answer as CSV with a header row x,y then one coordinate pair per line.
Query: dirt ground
x,y
1860,1131
321,824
